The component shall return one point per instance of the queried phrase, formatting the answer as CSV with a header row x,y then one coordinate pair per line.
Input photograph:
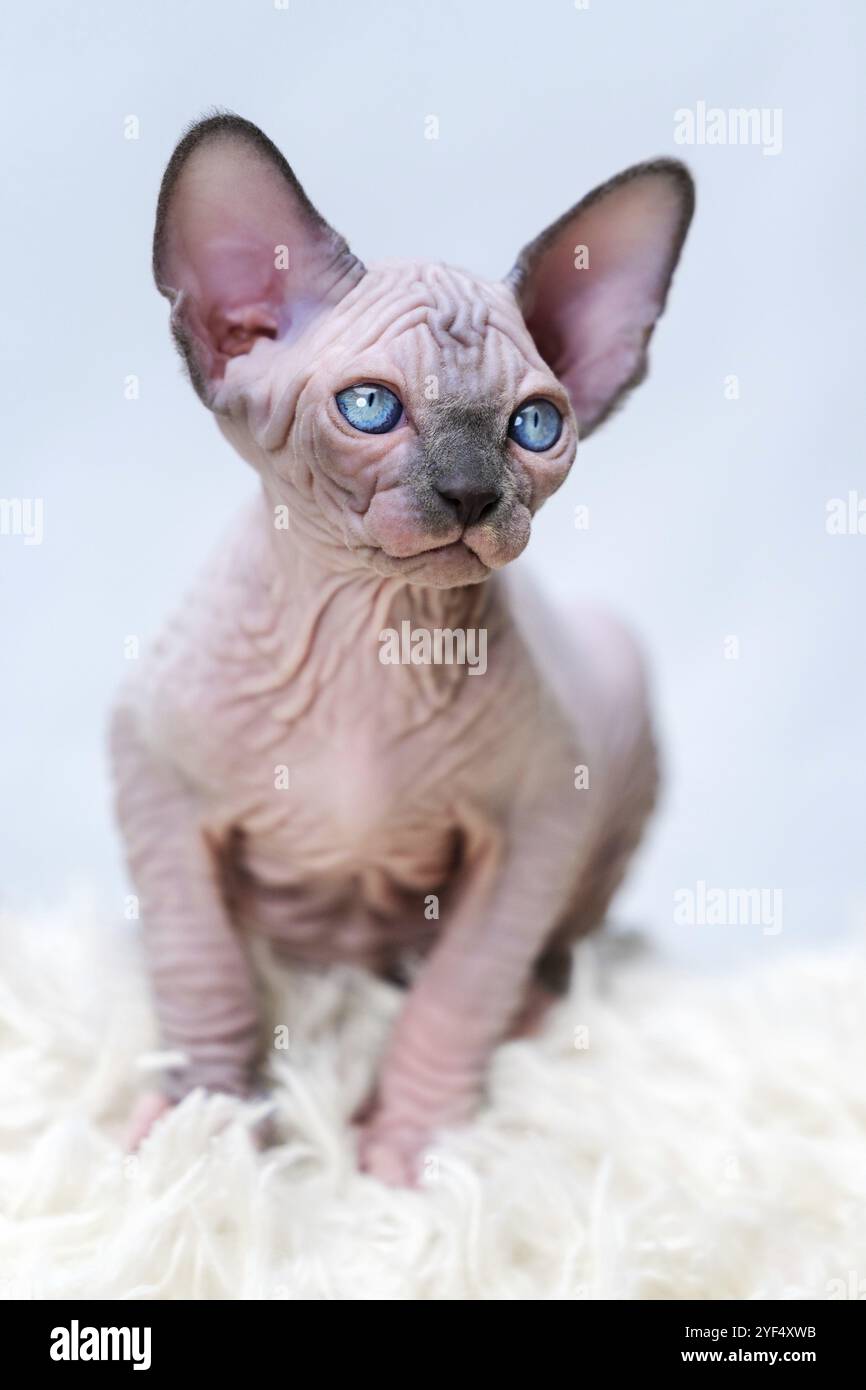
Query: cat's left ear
x,y
239,248
592,286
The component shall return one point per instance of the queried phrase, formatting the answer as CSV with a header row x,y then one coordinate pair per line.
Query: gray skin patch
x,y
463,441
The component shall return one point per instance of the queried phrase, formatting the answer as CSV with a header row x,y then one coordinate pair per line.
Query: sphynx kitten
x,y
274,773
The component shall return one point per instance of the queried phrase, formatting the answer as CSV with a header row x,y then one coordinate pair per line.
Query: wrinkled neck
x,y
319,612
316,569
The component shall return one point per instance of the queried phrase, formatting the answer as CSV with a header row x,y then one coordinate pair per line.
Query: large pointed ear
x,y
239,248
592,286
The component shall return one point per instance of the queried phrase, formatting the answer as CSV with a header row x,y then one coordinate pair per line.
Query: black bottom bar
x,y
166,1338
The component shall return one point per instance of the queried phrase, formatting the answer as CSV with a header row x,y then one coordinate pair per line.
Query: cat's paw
x,y
150,1107
145,1113
392,1152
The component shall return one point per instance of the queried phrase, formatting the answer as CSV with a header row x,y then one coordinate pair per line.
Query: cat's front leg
x,y
202,981
475,982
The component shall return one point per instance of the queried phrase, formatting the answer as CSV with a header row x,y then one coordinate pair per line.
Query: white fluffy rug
x,y
709,1141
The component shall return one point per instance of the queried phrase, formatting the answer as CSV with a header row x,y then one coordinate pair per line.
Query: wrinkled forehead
x,y
445,332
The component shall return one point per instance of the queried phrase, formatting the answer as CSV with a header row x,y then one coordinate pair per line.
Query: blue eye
x,y
373,409
536,425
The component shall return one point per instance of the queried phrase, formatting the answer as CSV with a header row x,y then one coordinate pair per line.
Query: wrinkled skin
x,y
273,775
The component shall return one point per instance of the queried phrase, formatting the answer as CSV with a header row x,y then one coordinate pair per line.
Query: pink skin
x,y
147,1110
404,781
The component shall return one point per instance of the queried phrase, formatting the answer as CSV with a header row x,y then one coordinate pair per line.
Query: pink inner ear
x,y
239,290
592,324
245,249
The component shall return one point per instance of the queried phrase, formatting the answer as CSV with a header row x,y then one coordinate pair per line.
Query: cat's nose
x,y
470,501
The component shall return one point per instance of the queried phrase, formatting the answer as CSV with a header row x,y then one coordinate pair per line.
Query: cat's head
x,y
411,417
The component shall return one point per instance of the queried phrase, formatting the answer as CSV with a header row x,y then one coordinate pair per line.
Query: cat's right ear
x,y
239,249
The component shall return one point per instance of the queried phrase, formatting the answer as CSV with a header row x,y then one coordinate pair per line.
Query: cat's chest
x,y
350,798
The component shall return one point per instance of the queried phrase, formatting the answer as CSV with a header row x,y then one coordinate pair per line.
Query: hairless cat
x,y
276,773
